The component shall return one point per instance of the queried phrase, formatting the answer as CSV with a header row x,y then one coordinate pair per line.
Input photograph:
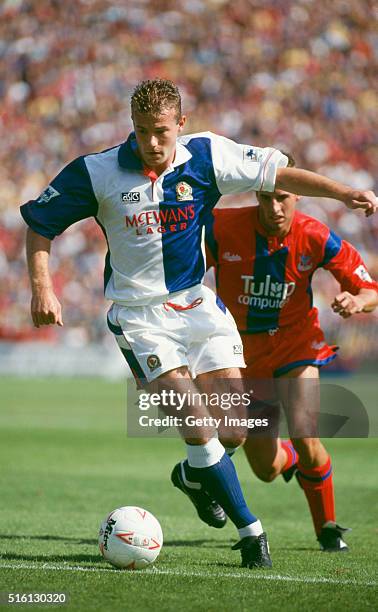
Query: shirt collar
x,y
127,154
182,155
129,159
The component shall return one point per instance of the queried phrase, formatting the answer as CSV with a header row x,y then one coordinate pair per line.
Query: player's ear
x,y
182,122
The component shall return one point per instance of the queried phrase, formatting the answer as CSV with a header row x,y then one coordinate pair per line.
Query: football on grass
x,y
130,538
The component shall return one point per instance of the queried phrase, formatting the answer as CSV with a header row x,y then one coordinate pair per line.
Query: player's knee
x,y
263,458
235,441
307,448
266,473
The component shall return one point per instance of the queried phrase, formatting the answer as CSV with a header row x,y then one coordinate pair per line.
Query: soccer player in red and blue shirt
x,y
265,257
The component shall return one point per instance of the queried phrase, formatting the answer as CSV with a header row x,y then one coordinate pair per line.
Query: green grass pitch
x,y
66,461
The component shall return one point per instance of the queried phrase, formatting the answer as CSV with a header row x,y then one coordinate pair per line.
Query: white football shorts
x,y
191,328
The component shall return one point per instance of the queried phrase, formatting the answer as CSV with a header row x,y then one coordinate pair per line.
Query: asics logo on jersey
x,y
266,293
168,220
130,196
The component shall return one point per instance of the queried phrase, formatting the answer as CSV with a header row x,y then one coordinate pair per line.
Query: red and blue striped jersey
x,y
265,281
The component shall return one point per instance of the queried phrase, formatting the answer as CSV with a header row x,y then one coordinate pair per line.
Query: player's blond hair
x,y
155,96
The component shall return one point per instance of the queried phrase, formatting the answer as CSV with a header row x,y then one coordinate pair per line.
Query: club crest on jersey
x,y
305,263
47,195
153,362
184,192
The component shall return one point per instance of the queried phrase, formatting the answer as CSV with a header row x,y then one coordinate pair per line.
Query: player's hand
x,y
45,308
346,304
367,200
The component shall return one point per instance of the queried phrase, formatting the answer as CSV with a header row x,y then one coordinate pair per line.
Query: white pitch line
x,y
194,574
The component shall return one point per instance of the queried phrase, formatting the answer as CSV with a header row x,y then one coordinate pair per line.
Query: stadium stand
x,y
280,73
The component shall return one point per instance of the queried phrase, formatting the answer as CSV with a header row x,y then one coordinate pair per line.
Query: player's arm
x,y
68,199
241,168
359,292
45,307
304,182
346,304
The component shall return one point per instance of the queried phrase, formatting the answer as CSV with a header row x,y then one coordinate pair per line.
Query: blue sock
x,y
221,482
191,473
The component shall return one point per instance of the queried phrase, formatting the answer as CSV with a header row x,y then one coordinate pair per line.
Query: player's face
x,y
156,137
276,211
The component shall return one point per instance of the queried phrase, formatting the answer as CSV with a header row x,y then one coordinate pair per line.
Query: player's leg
x,y
224,484
155,354
210,467
193,330
268,456
202,446
314,468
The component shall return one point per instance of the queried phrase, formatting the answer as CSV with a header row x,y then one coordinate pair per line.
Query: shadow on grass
x,y
10,536
205,543
195,543
97,559
298,549
213,543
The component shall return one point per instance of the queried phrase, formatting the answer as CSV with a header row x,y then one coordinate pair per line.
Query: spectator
x,y
292,74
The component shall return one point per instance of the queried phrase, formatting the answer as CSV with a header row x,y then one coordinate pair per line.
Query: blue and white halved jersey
x,y
153,225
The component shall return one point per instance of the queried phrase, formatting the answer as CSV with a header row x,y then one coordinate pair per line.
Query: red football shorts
x,y
269,355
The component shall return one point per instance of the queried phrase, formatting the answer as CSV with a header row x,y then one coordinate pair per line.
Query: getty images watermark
x,y
193,401
291,408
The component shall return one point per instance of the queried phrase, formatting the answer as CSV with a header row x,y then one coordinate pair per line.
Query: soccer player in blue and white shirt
x,y
152,195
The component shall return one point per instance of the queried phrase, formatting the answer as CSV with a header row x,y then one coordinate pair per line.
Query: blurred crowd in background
x,y
298,75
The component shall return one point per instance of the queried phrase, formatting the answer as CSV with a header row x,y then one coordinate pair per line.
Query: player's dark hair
x,y
291,162
155,96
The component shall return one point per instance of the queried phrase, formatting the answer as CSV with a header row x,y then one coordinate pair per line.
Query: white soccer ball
x,y
130,538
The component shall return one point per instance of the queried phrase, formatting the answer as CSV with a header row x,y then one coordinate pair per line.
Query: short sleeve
x,y
239,168
69,198
346,265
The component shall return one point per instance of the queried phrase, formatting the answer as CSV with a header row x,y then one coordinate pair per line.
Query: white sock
x,y
254,529
205,455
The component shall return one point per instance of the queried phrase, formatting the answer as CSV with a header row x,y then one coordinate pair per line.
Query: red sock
x,y
292,455
317,484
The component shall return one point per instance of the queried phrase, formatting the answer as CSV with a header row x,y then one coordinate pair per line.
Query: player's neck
x,y
158,169
279,232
